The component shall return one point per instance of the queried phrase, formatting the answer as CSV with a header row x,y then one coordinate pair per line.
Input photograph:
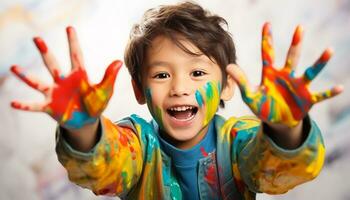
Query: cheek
x,y
155,110
208,97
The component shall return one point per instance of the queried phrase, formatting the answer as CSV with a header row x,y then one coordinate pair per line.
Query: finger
x,y
312,71
294,49
110,75
30,80
96,98
241,80
267,50
320,96
34,107
48,58
76,55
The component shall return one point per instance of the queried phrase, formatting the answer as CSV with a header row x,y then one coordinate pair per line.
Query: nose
x,y
180,87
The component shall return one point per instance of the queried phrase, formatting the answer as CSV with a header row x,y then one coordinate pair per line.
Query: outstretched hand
x,y
72,101
281,97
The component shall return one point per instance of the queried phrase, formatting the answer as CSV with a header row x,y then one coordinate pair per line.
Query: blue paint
x,y
209,90
265,63
296,98
246,99
262,101
79,119
292,74
199,98
148,95
312,72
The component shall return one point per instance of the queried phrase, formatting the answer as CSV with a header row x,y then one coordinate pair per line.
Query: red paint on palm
x,y
293,90
66,96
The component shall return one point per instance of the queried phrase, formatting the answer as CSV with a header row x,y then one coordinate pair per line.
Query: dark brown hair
x,y
187,20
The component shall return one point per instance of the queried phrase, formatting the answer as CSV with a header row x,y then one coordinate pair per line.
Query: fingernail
x,y
69,30
339,88
297,35
267,28
14,68
327,55
15,105
40,44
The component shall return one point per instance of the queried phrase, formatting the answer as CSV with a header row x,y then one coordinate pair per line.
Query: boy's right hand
x,y
72,101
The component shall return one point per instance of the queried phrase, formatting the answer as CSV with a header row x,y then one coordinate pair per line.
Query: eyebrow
x,y
192,60
158,63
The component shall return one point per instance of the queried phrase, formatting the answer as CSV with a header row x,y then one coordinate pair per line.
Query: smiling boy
x,y
182,64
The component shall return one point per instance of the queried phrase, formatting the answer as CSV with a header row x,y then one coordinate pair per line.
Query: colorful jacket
x,y
127,161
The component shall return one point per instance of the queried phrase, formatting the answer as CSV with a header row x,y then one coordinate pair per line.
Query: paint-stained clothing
x,y
185,162
127,161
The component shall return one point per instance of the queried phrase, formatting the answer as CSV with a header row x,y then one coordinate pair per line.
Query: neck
x,y
187,144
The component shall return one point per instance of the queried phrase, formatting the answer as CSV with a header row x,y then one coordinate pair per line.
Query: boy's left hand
x,y
281,97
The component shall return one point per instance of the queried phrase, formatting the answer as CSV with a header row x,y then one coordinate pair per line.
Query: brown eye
x,y
198,73
161,76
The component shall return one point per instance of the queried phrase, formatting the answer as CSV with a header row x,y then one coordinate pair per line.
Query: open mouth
x,y
182,113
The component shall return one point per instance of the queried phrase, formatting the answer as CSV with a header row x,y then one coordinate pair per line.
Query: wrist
x,y
285,136
84,138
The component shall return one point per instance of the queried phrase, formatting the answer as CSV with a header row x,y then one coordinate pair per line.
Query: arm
x,y
287,137
262,165
97,154
282,102
111,167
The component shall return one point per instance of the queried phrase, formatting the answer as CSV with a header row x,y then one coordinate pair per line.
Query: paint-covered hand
x,y
72,101
282,97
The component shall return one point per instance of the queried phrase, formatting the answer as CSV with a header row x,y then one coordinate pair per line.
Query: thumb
x,y
110,75
96,99
238,75
240,78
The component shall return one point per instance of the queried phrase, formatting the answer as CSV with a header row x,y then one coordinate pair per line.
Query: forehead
x,y
165,50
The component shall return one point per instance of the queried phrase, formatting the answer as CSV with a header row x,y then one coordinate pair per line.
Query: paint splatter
x,y
204,153
155,110
209,97
282,97
73,102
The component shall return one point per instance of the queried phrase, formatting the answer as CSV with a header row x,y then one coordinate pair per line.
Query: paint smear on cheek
x,y
155,110
208,96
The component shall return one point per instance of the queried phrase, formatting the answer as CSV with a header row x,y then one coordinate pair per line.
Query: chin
x,y
185,138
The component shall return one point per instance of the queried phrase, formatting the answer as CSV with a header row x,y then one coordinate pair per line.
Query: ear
x,y
229,89
140,97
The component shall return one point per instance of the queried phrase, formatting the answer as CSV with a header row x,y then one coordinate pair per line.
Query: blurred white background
x,y
28,164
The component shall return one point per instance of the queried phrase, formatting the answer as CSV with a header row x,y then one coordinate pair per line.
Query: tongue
x,y
182,114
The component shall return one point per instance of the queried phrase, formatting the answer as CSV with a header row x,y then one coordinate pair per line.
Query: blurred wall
x,y
29,168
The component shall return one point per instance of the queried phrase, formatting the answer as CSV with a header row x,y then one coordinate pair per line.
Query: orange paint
x,y
297,35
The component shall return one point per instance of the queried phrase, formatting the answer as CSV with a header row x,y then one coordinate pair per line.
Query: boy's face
x,y
182,91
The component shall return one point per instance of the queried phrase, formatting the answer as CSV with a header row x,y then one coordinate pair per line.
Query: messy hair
x,y
181,21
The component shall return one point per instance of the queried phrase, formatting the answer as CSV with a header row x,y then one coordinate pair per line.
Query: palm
x,y
282,97
72,101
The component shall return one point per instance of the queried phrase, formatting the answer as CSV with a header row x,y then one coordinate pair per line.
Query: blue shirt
x,y
185,162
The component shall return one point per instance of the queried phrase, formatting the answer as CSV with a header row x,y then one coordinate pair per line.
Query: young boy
x,y
182,64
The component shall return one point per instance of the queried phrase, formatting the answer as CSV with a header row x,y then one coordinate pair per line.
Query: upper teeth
x,y
181,108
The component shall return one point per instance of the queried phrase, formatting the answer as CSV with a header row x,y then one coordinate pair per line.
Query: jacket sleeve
x,y
265,167
112,167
